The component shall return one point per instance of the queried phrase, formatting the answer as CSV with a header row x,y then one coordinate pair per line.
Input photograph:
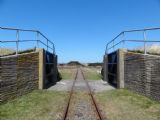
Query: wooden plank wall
x,y
142,74
18,75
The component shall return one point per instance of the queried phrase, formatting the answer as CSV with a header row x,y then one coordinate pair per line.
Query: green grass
x,y
67,73
153,49
91,73
125,105
38,105
8,51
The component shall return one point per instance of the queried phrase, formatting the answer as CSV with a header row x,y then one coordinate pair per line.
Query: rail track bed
x,y
81,104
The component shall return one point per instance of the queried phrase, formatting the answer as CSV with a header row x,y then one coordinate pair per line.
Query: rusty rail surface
x,y
70,96
90,93
93,99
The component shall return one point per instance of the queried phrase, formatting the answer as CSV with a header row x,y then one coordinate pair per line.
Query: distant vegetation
x,y
95,64
72,63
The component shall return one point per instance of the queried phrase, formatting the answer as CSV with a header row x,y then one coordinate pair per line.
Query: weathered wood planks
x,y
142,74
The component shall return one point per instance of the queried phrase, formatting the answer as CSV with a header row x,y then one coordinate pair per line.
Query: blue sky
x,y
80,29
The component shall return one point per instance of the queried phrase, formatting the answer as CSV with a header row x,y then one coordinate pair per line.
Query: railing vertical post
x,y
47,45
113,45
53,49
106,52
145,38
37,39
123,38
17,41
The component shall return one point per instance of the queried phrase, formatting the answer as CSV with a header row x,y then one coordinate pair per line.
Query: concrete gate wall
x,y
119,69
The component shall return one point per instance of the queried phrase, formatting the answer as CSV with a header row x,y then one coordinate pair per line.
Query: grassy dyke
x,y
125,105
38,105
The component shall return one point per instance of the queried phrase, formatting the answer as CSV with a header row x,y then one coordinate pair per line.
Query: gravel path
x,y
96,85
81,108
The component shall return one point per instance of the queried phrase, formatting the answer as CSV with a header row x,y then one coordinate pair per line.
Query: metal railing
x,y
47,43
112,44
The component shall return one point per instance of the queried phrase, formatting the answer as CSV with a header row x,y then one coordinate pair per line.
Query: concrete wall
x,y
117,66
142,74
24,73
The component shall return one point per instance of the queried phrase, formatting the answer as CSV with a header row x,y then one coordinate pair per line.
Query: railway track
x,y
83,107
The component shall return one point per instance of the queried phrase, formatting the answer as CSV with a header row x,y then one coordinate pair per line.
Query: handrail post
x,y
145,38
123,38
106,52
47,45
53,49
17,41
113,46
37,39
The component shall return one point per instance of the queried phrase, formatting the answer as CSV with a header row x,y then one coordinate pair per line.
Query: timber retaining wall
x,y
24,73
136,72
18,75
142,74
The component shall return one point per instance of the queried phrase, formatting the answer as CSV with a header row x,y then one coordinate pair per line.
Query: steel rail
x,y
93,99
70,96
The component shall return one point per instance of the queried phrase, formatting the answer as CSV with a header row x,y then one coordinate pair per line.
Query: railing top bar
x,y
145,29
6,28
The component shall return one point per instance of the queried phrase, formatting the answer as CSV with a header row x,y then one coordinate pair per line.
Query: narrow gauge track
x,y
98,113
